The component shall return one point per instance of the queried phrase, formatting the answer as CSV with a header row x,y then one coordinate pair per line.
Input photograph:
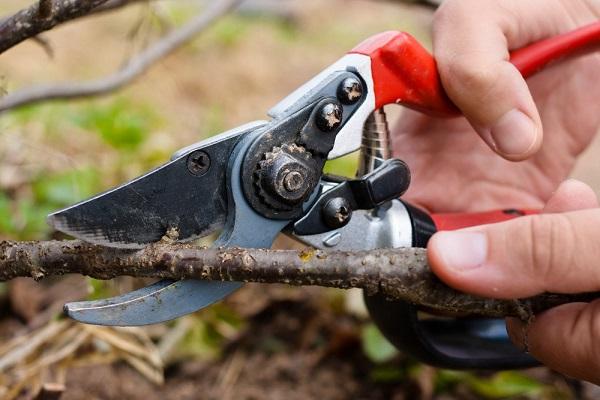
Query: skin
x,y
532,135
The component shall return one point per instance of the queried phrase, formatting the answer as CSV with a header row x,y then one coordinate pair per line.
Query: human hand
x,y
558,252
455,171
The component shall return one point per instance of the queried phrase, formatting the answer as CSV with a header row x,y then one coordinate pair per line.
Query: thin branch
x,y
134,68
45,45
41,16
401,274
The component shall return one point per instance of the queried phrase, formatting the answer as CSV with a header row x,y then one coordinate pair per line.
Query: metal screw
x,y
350,91
337,212
198,163
293,181
329,117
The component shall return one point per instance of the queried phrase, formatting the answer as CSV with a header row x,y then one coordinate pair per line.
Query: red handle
x,y
450,222
405,73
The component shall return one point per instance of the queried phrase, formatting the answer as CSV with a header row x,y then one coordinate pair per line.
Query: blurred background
x,y
263,342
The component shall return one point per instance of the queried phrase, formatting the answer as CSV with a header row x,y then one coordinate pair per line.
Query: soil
x,y
277,357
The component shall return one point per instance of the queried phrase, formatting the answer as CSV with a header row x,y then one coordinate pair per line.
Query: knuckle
x,y
551,246
465,74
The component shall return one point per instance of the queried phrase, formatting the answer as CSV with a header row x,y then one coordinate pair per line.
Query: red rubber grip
x,y
452,221
404,72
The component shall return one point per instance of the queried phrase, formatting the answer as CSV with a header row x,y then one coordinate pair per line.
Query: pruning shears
x,y
266,177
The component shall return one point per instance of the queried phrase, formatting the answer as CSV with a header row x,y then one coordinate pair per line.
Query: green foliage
x,y
99,289
65,188
505,384
211,328
52,117
375,346
501,385
228,31
119,123
6,220
25,218
387,374
232,29
343,166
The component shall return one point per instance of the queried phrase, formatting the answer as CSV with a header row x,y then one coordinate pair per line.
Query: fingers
x,y
528,255
471,43
564,338
571,195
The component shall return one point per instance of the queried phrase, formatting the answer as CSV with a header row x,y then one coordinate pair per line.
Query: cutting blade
x,y
163,301
173,196
166,300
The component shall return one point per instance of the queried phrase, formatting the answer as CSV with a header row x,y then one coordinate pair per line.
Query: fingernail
x,y
514,133
461,250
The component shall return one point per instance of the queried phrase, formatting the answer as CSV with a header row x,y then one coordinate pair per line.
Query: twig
x,y
40,17
129,72
45,45
401,274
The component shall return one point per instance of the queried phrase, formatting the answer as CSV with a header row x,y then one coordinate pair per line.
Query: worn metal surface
x,y
166,300
170,197
349,136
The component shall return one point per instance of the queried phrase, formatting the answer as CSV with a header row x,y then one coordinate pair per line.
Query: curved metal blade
x,y
163,301
166,300
143,210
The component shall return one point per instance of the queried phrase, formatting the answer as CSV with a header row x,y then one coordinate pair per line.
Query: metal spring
x,y
376,146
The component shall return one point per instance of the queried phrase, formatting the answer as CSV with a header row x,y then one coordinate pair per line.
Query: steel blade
x,y
166,300
162,301
143,210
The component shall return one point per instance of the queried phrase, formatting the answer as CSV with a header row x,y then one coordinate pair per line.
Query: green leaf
x,y
100,289
505,384
30,220
6,215
375,346
120,124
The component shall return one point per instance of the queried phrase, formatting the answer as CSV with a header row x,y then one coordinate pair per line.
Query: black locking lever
x,y
334,208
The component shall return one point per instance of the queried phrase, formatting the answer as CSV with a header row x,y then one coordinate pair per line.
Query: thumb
x,y
528,255
471,43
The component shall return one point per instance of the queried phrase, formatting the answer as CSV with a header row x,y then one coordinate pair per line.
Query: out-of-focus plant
x,y
119,123
375,346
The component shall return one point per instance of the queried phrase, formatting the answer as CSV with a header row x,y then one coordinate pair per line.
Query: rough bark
x,y
401,274
41,16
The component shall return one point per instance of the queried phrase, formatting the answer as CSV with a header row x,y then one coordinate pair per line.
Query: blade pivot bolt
x,y
293,181
337,212
329,117
198,163
350,91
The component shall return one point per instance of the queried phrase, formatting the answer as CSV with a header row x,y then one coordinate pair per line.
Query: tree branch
x,y
41,16
401,274
135,67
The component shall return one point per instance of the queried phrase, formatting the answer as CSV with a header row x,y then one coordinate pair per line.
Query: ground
x,y
262,343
